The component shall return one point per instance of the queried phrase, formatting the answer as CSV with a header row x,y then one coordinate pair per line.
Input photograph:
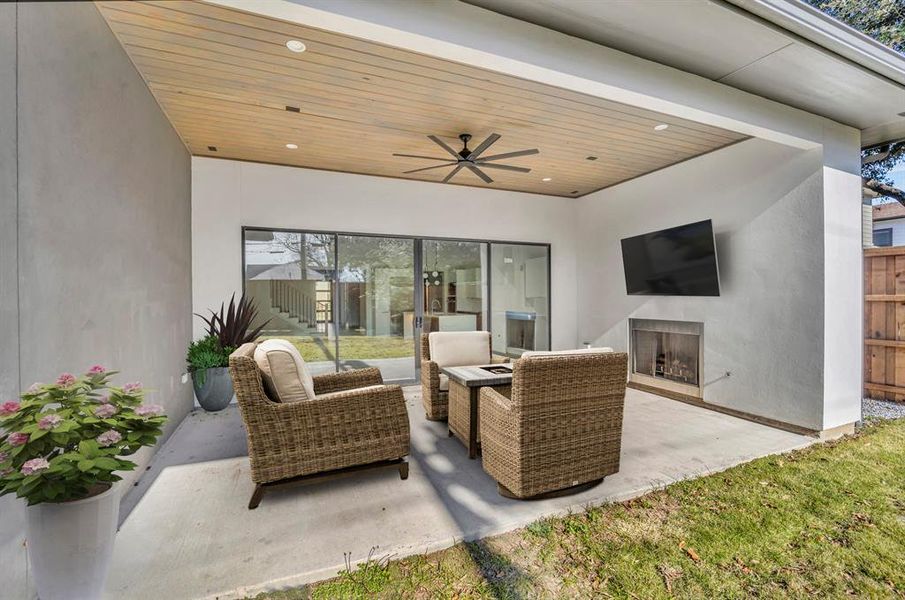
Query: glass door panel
x,y
375,297
520,298
289,275
455,285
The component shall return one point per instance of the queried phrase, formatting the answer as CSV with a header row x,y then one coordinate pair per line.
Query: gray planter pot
x,y
217,390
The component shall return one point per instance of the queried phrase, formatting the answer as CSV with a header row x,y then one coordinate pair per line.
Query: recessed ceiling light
x,y
660,127
547,179
292,146
296,45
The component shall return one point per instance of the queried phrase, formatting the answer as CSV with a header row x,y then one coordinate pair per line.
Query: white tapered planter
x,y
70,545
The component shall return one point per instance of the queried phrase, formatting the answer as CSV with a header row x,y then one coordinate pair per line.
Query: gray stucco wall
x,y
767,326
9,319
104,219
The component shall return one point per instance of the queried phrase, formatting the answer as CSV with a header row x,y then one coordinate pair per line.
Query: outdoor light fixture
x,y
292,146
296,46
660,127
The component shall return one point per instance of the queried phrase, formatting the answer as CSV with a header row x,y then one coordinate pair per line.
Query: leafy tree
x,y
883,20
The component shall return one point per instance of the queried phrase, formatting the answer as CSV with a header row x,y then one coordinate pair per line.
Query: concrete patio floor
x,y
188,534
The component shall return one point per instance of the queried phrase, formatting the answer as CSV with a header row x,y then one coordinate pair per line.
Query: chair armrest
x,y
346,380
430,375
496,359
495,401
499,423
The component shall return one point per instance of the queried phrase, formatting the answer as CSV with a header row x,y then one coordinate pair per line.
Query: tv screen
x,y
674,262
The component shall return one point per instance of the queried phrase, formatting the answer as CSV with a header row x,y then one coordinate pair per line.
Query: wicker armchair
x,y
434,386
562,427
354,422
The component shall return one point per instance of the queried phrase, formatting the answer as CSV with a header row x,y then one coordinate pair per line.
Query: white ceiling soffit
x,y
802,59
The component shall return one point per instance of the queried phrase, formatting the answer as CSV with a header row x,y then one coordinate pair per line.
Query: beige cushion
x,y
286,378
531,353
459,348
444,382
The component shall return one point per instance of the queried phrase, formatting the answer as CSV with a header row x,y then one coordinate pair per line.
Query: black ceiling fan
x,y
471,159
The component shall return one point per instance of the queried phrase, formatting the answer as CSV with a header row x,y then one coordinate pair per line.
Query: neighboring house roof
x,y
784,50
887,211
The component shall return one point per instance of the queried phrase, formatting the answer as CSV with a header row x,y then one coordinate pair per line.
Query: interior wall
x,y
104,208
767,327
227,195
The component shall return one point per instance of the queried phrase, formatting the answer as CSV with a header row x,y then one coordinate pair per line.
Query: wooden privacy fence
x,y
884,323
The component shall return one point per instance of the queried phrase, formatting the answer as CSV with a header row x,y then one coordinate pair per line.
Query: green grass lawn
x,y
824,522
351,347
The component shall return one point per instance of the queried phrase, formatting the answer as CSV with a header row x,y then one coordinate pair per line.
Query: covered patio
x,y
208,145
187,516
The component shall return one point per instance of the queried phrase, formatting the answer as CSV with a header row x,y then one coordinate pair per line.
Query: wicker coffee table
x,y
465,385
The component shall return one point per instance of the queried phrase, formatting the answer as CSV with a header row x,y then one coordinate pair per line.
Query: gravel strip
x,y
881,409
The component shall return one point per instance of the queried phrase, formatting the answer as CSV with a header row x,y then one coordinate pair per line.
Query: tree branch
x,y
885,190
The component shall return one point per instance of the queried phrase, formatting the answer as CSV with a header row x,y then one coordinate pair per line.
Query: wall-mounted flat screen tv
x,y
680,261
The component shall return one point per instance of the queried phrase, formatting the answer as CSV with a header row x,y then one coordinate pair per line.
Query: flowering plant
x,y
65,440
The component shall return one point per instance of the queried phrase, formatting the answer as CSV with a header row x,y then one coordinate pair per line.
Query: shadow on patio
x,y
189,518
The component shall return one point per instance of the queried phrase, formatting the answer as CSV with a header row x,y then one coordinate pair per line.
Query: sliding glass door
x,y
454,285
520,298
289,275
348,301
376,304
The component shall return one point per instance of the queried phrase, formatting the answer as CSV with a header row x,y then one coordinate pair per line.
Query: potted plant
x,y
207,362
208,358
62,447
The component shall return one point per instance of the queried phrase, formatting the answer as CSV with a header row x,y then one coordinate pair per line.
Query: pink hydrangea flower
x,y
34,388
4,456
104,411
108,438
66,379
131,388
17,439
49,421
103,400
35,465
97,370
149,410
8,408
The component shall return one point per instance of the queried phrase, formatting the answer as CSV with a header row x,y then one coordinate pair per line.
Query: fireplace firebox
x,y
667,355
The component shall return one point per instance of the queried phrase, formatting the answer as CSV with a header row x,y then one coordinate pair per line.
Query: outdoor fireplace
x,y
667,355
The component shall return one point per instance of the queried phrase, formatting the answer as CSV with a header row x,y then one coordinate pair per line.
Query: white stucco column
x,y
843,280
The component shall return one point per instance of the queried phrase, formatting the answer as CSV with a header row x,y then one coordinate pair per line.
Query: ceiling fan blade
x,y
419,156
491,165
508,155
443,145
453,172
491,139
480,173
428,168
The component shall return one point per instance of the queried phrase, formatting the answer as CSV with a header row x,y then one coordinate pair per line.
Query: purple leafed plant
x,y
231,325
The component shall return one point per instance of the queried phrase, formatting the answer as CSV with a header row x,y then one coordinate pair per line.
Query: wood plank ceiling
x,y
225,79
